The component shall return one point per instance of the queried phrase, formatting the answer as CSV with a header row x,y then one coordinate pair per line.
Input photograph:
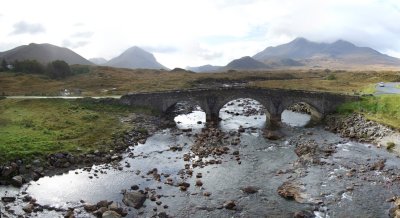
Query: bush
x,y
58,69
390,145
331,77
79,69
28,66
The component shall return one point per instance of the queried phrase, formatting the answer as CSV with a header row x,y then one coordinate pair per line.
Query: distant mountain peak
x,y
300,40
43,53
246,63
135,57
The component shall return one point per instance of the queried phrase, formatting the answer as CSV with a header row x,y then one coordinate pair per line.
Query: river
x,y
342,182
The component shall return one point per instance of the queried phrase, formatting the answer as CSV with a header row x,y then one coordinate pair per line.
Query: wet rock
x,y
90,207
134,199
9,171
7,199
28,208
290,190
114,207
306,151
303,214
379,165
250,189
207,194
199,182
162,215
199,175
273,135
184,184
69,214
135,187
100,211
230,205
110,214
17,181
103,203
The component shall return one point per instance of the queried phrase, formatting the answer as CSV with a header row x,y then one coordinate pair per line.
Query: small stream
x,y
264,164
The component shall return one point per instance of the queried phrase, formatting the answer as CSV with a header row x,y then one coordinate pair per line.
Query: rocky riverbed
x,y
236,170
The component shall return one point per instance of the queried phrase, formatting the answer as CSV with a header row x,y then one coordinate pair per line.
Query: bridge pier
x,y
275,122
212,118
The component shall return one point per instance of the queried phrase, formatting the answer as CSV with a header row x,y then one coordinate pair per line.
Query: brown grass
x,y
115,81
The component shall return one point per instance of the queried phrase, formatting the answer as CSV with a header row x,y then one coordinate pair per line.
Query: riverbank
x,y
44,137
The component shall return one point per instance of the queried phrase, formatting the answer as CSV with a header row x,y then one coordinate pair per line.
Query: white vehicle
x,y
381,84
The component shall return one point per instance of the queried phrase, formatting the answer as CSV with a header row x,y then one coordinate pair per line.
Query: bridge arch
x,y
305,108
268,106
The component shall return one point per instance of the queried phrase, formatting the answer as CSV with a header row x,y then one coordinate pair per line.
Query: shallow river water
x,y
342,186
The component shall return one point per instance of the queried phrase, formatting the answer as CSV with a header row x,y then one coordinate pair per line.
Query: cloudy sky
x,y
195,32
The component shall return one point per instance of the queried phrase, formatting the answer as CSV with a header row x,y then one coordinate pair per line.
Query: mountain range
x,y
133,58
299,53
302,53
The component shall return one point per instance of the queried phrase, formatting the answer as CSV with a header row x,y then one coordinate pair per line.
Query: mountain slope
x,y
246,63
43,53
339,52
204,68
134,58
98,61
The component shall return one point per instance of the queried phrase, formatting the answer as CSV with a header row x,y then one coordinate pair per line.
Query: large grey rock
x,y
28,208
134,199
17,181
110,214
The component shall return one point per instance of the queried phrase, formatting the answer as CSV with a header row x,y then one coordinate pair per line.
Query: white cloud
x,y
192,32
23,27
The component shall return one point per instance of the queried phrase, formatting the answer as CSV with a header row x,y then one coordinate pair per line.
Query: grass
x,y
35,128
384,109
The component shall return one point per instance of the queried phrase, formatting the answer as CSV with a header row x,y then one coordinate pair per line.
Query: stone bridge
x,y
212,100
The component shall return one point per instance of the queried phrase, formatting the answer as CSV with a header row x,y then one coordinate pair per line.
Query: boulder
x,y
17,181
291,191
28,208
134,199
273,135
250,189
230,205
110,214
7,199
90,207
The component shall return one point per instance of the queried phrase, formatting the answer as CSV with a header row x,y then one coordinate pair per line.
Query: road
x,y
389,88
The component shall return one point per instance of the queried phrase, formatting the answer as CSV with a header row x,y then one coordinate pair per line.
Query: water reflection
x,y
295,119
194,120
243,112
84,185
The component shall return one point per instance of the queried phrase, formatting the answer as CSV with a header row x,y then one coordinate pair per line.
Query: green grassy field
x,y
384,109
35,128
